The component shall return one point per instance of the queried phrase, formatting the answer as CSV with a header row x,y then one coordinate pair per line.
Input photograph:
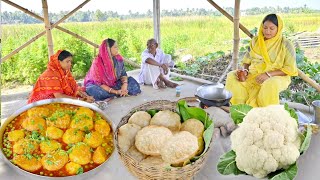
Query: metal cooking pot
x,y
213,95
86,175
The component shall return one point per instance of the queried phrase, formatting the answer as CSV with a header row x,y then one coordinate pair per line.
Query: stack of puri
x,y
161,140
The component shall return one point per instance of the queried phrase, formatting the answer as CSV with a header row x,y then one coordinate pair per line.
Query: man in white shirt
x,y
155,67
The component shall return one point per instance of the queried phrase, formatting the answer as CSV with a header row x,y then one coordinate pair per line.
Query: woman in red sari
x,y
57,81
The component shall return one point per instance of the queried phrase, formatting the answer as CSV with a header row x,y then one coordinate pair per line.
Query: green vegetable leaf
x,y
284,174
238,112
201,115
152,112
306,139
49,162
207,135
292,112
227,164
80,170
193,112
176,78
182,110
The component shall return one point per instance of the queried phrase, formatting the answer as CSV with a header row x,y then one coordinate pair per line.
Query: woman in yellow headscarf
x,y
268,65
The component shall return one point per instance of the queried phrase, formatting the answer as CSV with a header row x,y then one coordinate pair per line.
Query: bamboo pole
x,y
308,80
23,9
23,46
245,30
236,37
70,13
54,26
48,27
57,26
77,36
156,21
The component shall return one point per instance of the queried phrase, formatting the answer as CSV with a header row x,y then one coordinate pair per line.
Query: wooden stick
x,y
23,46
225,72
78,36
245,30
156,21
308,80
23,9
70,13
236,37
48,27
131,63
58,27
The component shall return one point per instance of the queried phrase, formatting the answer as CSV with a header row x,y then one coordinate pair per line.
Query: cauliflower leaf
x,y
284,174
292,112
238,112
227,164
306,139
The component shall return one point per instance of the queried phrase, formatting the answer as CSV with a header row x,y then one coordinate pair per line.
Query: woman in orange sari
x,y
57,81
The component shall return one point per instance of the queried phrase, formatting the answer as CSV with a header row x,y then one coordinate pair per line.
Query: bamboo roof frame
x,y
156,26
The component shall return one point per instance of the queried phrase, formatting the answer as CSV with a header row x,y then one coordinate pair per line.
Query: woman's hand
x,y
261,78
124,90
89,99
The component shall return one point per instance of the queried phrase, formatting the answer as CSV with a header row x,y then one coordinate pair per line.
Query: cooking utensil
x,y
213,94
85,175
316,109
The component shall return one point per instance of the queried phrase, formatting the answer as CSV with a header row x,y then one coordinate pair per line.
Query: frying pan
x,y
213,94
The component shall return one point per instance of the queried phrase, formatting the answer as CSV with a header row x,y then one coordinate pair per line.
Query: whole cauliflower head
x,y
266,140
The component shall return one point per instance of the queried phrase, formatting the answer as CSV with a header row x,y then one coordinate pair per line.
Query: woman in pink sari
x,y
107,76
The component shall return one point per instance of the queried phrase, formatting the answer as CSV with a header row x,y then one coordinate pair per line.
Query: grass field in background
x,y
197,36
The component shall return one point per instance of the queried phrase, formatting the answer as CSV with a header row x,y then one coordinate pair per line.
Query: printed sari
x,y
102,70
53,80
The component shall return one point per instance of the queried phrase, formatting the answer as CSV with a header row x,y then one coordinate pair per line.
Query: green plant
x,y
300,91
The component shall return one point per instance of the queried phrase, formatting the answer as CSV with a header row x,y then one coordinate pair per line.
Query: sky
x,y
123,6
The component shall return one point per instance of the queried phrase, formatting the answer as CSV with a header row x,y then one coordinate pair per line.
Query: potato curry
x,y
58,140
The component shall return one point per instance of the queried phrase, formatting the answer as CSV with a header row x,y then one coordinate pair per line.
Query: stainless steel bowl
x,y
86,175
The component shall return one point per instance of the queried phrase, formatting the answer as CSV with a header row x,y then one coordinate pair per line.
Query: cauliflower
x,y
266,140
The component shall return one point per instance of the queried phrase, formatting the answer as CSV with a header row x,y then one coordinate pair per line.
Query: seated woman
x,y
269,65
57,81
107,76
155,67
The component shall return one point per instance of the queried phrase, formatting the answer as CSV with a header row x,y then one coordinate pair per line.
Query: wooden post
x,y
236,37
48,27
156,20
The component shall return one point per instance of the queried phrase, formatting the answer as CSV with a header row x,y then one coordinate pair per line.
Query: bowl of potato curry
x,y
57,138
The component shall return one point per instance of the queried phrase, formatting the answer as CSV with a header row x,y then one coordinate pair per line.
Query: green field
x,y
183,35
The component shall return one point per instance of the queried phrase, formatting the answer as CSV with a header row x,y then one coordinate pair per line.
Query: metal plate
x,y
85,175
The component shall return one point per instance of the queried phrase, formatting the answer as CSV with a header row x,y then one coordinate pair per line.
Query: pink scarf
x,y
102,70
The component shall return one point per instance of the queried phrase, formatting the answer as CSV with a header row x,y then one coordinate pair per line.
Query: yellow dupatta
x,y
277,53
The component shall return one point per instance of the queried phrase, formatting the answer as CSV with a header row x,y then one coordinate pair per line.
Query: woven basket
x,y
157,172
